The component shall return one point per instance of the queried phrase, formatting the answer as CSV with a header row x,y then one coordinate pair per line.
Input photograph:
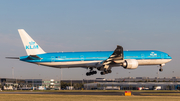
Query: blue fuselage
x,y
96,56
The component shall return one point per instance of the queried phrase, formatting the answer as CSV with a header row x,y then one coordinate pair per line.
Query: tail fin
x,y
31,47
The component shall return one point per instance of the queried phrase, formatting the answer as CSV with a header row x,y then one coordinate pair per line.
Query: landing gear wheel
x,y
88,74
91,73
94,72
160,69
102,73
91,68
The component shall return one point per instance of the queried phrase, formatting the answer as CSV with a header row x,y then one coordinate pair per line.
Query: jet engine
x,y
130,64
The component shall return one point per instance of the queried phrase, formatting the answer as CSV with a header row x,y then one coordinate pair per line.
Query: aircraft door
x,y
52,58
142,56
162,55
82,58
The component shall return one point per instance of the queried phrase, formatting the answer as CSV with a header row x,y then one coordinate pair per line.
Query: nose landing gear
x,y
161,65
160,69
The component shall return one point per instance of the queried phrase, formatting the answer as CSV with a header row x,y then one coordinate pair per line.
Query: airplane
x,y
100,60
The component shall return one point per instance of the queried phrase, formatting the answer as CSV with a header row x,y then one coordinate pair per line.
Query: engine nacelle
x,y
130,64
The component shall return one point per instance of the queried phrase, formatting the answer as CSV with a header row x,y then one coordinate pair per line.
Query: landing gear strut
x,y
91,72
161,65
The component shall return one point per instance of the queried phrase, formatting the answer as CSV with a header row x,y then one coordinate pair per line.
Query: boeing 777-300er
x,y
100,60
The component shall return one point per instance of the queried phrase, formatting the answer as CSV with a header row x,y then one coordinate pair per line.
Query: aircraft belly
x,y
153,62
71,64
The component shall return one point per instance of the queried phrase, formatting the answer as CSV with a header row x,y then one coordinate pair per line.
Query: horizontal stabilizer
x,y
12,57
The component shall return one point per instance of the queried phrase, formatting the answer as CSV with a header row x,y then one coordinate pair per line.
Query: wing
x,y
116,57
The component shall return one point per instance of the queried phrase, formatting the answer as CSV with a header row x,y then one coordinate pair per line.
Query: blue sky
x,y
89,25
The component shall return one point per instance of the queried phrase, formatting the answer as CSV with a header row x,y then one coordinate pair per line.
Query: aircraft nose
x,y
170,58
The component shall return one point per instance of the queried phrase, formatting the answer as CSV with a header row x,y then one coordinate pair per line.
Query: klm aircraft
x,y
100,60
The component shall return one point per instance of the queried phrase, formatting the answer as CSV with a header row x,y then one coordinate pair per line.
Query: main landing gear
x,y
91,72
106,72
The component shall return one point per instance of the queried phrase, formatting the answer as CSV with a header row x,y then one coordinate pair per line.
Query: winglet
x,y
116,57
31,47
118,52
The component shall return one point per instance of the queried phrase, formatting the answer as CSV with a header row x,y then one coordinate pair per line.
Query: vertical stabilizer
x,y
31,47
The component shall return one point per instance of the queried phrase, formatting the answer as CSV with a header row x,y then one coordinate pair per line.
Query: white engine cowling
x,y
130,64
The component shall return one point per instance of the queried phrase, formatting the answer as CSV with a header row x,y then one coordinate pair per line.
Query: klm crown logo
x,y
153,54
32,45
